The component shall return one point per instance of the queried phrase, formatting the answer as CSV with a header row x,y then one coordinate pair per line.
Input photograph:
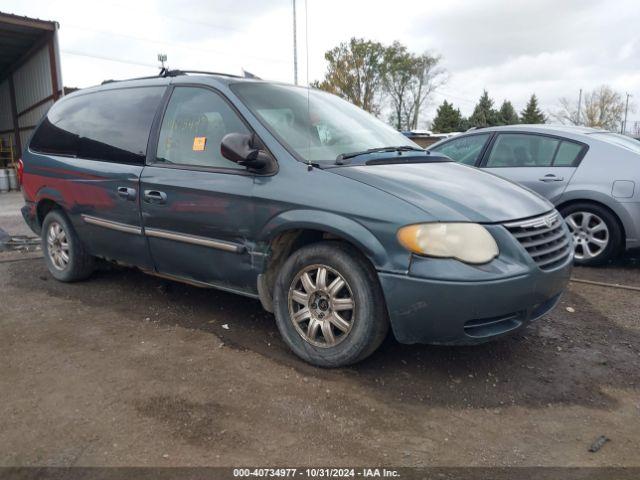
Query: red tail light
x,y
20,172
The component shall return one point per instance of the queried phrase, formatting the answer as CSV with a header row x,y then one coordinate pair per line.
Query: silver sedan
x,y
592,176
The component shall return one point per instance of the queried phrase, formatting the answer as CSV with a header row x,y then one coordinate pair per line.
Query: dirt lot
x,y
127,369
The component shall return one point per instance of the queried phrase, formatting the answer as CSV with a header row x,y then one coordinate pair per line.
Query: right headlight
x,y
467,242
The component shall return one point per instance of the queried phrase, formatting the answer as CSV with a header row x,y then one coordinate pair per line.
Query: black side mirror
x,y
241,148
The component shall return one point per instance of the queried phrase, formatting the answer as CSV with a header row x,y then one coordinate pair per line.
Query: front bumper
x,y
431,304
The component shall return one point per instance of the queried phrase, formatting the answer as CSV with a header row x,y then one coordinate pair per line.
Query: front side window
x,y
316,125
465,149
194,124
522,150
107,125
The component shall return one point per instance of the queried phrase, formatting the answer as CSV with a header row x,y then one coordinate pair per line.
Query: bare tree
x,y
428,77
603,108
409,80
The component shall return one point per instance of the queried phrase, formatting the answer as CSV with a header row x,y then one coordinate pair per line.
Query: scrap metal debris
x,y
598,444
21,243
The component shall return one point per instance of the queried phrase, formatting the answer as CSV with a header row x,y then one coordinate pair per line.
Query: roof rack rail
x,y
165,72
104,82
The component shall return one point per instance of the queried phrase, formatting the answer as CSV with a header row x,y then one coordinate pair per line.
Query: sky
x,y
512,48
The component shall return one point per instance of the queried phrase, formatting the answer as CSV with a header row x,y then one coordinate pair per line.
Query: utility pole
x,y
626,111
295,47
579,105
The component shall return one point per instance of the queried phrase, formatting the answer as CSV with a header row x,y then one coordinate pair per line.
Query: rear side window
x,y
59,131
568,154
464,149
108,125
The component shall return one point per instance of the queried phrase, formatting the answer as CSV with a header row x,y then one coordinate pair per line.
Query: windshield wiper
x,y
400,148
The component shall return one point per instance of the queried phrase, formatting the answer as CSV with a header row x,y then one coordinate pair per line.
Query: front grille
x,y
544,238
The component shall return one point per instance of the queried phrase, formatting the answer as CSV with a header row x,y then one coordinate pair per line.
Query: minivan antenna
x,y
306,46
295,47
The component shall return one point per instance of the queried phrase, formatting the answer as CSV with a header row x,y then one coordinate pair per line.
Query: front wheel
x,y
597,235
329,306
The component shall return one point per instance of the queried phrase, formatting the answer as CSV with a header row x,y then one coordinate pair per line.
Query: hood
x,y
451,192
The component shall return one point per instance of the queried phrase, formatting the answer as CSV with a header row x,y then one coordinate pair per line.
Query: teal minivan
x,y
338,224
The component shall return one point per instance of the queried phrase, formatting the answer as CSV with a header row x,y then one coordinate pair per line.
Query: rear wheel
x,y
329,305
64,253
597,235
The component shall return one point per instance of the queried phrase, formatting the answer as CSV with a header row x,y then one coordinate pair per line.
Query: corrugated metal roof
x,y
19,35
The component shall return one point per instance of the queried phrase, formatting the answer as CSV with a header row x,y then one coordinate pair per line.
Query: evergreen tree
x,y
532,113
448,119
507,114
484,115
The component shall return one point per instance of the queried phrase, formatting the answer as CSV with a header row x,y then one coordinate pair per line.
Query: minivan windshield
x,y
316,125
619,140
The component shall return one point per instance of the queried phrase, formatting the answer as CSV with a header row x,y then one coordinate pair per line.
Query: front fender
x,y
335,224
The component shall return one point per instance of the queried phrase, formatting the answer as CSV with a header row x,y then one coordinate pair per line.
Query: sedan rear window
x,y
619,140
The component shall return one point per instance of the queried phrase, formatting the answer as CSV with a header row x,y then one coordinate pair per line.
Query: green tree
x,y
448,119
532,113
507,114
484,115
355,73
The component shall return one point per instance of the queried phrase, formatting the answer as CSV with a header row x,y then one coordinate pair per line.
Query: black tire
x,y
368,319
80,264
615,236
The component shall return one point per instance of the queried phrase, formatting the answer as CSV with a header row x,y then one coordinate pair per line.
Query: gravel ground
x,y
127,369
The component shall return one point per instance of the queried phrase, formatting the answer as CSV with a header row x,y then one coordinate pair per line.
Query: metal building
x,y
30,76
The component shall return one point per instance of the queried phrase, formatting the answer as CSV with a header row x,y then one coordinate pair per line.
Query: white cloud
x,y
510,47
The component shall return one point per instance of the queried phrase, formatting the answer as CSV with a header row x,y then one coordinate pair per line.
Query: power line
x,y
172,44
444,94
110,59
189,21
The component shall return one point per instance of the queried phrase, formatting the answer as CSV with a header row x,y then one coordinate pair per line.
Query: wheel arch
x,y
617,213
46,200
293,230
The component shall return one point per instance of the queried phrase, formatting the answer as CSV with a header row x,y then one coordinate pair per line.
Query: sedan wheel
x,y
590,234
321,306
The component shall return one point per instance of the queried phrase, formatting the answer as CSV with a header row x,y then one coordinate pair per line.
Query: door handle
x,y
154,196
127,193
550,177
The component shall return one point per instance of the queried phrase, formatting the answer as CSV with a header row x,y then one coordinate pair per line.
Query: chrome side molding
x,y
194,239
120,227
165,234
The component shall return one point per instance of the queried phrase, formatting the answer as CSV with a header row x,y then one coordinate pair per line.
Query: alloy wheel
x,y
58,246
321,306
590,234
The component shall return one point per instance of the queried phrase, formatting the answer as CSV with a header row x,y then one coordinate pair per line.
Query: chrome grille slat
x,y
552,248
540,231
560,256
544,238
534,243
